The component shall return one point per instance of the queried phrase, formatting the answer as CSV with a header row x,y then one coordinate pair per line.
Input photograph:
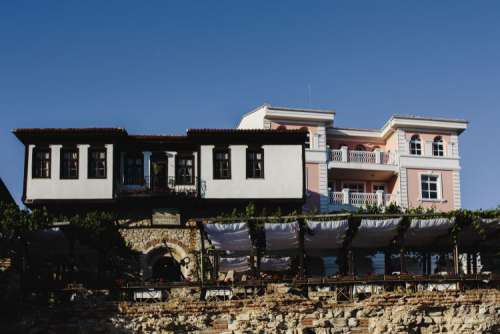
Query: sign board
x,y
166,217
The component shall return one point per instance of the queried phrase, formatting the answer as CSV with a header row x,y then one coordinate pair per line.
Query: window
x,y
41,163
415,145
360,148
134,169
222,164
69,163
438,147
184,172
97,163
430,186
354,187
377,187
255,163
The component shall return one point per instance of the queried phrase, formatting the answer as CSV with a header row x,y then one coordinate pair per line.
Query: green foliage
x,y
393,208
16,224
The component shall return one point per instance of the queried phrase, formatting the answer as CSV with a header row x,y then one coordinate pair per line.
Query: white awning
x,y
325,235
236,264
234,237
282,236
425,231
376,233
275,263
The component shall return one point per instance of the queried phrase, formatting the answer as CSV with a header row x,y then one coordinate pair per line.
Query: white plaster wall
x,y
81,188
283,174
253,120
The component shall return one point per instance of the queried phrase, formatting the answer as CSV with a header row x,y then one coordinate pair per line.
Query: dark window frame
x,y
34,160
91,170
181,179
67,169
251,163
217,167
415,145
136,180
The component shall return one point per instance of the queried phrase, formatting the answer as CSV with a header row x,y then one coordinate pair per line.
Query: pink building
x,y
411,161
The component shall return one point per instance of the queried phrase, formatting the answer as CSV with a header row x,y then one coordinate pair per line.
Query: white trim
x,y
457,196
439,185
426,162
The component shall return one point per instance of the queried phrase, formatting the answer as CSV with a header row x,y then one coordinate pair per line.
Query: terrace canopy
x,y
470,238
429,234
376,233
268,263
325,237
232,238
282,237
236,264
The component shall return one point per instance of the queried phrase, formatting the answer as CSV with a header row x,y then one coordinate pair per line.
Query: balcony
x,y
347,200
159,187
351,159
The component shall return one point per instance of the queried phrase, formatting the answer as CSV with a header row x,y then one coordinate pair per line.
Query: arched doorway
x,y
167,269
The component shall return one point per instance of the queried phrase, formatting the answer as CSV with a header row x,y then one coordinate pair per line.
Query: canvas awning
x,y
376,233
325,235
282,236
428,233
275,263
232,238
236,264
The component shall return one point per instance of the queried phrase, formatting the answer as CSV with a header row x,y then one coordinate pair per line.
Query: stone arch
x,y
160,248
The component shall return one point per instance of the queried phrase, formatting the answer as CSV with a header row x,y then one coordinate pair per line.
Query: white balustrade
x,y
336,155
346,197
363,157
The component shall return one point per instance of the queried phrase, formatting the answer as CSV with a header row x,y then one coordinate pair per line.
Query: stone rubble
x,y
474,311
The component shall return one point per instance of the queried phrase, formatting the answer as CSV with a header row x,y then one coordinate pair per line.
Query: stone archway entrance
x,y
167,270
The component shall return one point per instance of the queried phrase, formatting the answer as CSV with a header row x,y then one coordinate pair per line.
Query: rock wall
x,y
475,311
179,243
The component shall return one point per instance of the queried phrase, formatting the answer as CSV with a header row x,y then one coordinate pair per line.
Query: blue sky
x,y
165,66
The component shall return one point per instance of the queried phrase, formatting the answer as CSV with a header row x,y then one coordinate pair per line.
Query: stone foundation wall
x,y
179,243
475,311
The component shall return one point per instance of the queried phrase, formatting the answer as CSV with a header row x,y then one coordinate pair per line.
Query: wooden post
x,y
469,263
202,253
301,247
350,262
456,260
387,262
474,262
402,264
429,264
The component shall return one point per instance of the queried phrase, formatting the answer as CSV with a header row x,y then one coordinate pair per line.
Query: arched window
x,y
281,127
415,145
360,148
375,148
438,147
340,145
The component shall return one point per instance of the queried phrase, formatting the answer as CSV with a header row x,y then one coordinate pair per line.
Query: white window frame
x,y
441,143
438,187
354,182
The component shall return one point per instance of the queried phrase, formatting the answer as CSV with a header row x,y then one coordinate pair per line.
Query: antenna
x,y
309,95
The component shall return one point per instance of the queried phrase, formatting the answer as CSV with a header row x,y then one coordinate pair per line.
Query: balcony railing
x,y
358,200
162,186
363,157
